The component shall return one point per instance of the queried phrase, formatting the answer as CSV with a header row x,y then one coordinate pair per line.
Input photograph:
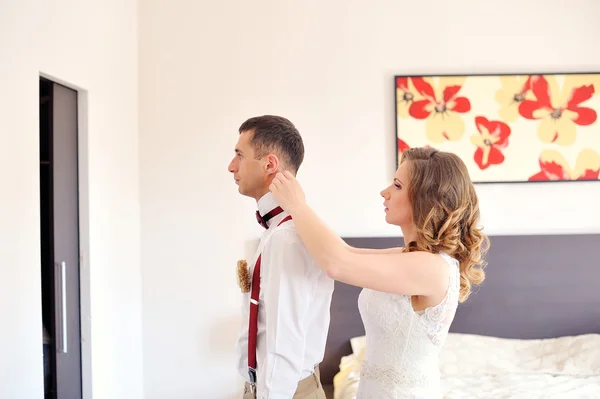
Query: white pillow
x,y
466,354
357,344
345,382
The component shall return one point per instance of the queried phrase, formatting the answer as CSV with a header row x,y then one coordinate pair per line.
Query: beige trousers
x,y
308,388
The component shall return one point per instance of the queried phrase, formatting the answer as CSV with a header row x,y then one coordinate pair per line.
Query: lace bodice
x,y
403,346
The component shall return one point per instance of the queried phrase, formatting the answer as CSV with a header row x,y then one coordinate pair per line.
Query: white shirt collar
x,y
267,203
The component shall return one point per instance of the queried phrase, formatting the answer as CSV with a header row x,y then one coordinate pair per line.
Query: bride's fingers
x,y
288,174
274,186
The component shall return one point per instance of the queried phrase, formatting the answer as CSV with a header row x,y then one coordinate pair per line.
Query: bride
x,y
410,294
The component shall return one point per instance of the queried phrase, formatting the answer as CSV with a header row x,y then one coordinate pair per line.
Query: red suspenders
x,y
253,321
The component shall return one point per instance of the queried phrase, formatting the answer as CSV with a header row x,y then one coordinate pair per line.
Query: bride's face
x,y
398,209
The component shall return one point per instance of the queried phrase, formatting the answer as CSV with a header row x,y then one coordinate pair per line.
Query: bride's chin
x,y
390,220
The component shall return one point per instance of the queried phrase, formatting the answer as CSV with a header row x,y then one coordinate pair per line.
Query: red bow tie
x,y
262,220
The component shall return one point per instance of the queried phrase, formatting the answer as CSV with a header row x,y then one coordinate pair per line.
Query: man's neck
x,y
261,194
265,189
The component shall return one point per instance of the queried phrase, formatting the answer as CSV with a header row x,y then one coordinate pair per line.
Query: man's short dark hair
x,y
275,134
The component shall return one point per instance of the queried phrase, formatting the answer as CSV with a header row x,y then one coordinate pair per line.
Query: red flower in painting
x,y
405,96
553,166
492,137
402,146
440,109
559,110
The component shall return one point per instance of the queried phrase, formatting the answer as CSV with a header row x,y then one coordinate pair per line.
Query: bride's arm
x,y
413,273
396,250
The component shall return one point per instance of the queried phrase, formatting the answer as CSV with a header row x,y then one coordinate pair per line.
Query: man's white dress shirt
x,y
293,311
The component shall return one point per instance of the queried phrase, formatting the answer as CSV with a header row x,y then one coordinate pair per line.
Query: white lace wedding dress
x,y
403,346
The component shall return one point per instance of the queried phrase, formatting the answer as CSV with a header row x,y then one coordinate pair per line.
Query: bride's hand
x,y
287,192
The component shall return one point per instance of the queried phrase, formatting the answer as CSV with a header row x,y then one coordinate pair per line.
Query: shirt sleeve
x,y
286,300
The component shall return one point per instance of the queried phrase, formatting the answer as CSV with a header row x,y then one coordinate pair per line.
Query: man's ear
x,y
273,164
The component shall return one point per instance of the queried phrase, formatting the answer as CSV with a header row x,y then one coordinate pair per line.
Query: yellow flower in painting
x,y
441,108
578,80
406,94
555,167
560,111
515,90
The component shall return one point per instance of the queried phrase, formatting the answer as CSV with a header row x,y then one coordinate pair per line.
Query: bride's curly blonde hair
x,y
445,211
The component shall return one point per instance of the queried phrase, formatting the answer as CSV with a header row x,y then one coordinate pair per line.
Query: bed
x,y
531,330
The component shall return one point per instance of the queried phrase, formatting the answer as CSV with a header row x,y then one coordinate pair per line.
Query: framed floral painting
x,y
506,128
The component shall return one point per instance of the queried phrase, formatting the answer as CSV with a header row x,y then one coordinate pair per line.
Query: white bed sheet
x,y
475,366
526,386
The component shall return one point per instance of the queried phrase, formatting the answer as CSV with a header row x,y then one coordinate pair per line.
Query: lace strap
x,y
454,271
436,317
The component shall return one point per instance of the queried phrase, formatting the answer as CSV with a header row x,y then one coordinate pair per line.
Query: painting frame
x,y
563,168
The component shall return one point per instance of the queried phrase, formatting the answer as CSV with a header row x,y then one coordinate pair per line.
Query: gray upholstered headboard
x,y
537,286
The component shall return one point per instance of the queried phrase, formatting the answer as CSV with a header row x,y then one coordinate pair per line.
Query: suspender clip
x,y
252,375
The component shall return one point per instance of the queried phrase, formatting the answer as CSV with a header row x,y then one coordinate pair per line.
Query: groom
x,y
286,310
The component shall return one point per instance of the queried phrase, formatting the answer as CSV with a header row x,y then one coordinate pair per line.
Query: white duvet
x,y
475,366
526,386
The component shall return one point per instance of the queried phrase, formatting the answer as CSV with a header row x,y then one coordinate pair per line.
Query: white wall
x,y
328,66
92,45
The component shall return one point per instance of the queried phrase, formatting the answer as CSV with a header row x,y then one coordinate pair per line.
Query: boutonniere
x,y
243,275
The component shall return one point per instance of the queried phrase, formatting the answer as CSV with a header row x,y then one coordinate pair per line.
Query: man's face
x,y
250,174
